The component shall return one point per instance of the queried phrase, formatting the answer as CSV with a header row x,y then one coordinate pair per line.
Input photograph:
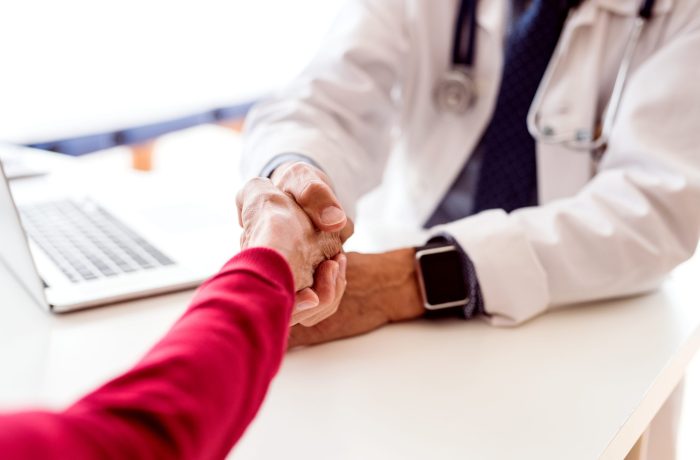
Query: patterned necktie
x,y
508,176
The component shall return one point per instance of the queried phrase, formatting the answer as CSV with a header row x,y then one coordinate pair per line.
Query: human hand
x,y
271,218
381,288
311,189
328,289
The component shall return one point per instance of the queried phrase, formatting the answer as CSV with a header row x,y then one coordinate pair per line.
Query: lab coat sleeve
x,y
340,111
628,227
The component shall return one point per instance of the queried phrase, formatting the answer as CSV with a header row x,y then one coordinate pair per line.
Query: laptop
x,y
73,252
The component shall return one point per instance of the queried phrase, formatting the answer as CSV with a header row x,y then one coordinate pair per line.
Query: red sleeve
x,y
194,393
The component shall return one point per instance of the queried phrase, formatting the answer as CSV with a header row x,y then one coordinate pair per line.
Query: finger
x,y
239,207
252,191
330,299
329,244
325,280
347,231
324,287
302,316
319,316
342,260
311,190
339,290
320,204
305,304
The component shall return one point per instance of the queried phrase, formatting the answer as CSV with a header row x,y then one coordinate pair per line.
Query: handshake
x,y
337,295
297,213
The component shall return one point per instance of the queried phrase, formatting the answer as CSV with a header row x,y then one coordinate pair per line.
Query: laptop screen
x,y
14,247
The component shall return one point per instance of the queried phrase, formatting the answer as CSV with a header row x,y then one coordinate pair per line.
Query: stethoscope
x,y
456,91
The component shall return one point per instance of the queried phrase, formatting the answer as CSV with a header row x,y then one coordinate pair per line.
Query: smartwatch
x,y
440,273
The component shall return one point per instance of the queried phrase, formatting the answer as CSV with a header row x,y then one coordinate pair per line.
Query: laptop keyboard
x,y
88,243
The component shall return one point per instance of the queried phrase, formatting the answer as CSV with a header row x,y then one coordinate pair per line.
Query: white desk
x,y
580,383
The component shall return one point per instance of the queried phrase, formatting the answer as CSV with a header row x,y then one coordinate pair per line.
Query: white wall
x,y
71,67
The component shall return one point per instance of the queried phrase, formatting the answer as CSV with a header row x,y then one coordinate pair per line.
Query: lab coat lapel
x,y
577,86
569,104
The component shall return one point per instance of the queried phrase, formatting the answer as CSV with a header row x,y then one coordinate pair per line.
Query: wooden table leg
x,y
639,450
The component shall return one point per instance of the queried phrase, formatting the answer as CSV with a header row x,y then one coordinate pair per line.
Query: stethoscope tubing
x,y
463,52
586,141
463,61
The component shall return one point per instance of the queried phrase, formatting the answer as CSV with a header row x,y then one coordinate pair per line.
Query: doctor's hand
x,y
381,289
311,189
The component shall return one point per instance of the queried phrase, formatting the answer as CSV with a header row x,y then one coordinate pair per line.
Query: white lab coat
x,y
364,111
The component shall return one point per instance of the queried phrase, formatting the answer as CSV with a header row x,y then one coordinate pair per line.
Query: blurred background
x,y
85,76
78,67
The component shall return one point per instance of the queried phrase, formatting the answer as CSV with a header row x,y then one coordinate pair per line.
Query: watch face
x,y
443,277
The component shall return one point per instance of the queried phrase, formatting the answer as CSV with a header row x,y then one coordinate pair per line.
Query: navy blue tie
x,y
501,173
508,176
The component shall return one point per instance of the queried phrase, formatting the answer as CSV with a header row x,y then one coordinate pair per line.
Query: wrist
x,y
404,300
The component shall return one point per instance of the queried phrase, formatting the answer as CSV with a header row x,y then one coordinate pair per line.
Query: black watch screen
x,y
443,277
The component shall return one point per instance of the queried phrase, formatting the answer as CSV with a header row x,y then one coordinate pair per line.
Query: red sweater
x,y
194,393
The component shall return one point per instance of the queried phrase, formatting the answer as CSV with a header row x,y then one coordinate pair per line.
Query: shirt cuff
x,y
475,305
277,161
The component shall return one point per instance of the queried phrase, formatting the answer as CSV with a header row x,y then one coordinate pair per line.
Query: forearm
x,y
382,288
195,392
338,112
621,235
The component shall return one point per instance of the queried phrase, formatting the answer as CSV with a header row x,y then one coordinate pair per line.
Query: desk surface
x,y
579,383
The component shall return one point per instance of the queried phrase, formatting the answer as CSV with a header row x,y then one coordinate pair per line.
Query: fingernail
x,y
343,263
334,272
306,305
332,215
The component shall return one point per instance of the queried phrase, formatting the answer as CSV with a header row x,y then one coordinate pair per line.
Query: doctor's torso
x,y
431,146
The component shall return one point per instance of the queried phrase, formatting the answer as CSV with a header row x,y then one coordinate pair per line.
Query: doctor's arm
x,y
339,112
622,234
334,120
